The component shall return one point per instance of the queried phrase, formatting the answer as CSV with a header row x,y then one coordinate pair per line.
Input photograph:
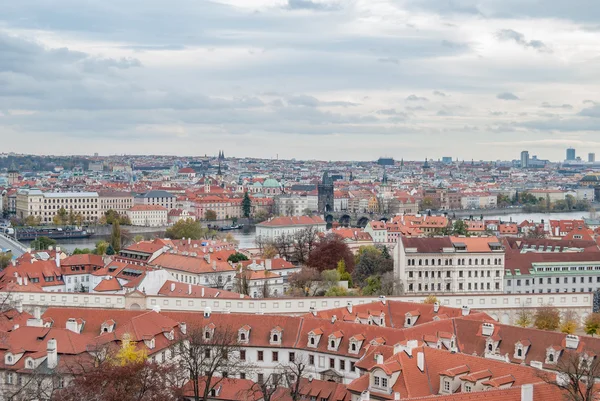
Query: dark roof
x,y
156,194
302,187
523,261
427,245
516,244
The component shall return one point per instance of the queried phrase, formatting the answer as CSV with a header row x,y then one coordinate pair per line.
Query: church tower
x,y
325,197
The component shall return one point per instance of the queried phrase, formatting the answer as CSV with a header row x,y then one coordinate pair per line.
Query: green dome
x,y
271,183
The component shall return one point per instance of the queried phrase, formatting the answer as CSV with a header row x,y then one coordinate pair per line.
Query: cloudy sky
x,y
318,79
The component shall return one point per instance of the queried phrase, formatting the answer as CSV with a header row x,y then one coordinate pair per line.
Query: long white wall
x,y
500,307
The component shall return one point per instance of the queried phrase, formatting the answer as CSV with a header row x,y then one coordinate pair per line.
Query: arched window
x,y
275,337
470,261
353,346
332,344
243,336
420,262
426,262
476,261
490,347
439,262
551,357
489,262
312,341
408,321
519,352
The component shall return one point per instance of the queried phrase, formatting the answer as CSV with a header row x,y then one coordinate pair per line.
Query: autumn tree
x,y
431,299
304,242
121,375
575,376
592,324
328,252
305,281
547,318
208,355
210,215
569,322
524,318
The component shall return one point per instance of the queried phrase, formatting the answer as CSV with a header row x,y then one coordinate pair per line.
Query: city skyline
x,y
304,79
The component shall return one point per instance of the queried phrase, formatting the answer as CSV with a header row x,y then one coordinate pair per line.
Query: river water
x,y
246,237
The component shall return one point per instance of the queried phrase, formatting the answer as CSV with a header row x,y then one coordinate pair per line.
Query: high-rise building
x,y
591,157
524,159
570,154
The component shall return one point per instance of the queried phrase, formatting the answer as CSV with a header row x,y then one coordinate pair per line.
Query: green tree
x,y
336,292
237,257
330,278
138,238
5,259
189,228
83,251
260,216
370,261
344,275
101,247
210,215
427,203
246,205
373,286
459,228
115,236
110,250
42,243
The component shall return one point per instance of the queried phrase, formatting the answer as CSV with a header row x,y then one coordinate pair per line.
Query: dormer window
x,y
150,343
313,337
30,363
410,318
9,359
552,355
276,334
520,352
334,341
244,334
209,331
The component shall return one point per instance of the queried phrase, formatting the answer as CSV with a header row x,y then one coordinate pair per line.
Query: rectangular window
x,y
384,382
243,355
342,364
311,360
376,381
275,357
261,356
331,363
292,357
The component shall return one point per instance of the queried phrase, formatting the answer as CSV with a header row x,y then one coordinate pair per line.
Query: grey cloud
x,y
507,96
311,101
415,108
519,38
443,113
547,105
391,60
563,125
593,111
388,112
438,93
415,98
454,45
309,5
498,113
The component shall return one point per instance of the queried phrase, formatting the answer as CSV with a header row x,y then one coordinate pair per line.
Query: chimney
x,y
527,392
487,329
268,264
313,310
72,325
52,359
50,247
57,259
28,250
207,312
421,361
465,310
572,341
333,319
382,299
202,291
349,306
214,265
396,396
183,327
37,313
19,279
172,287
365,396
189,289
19,306
58,249
16,326
25,280
436,307
207,257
